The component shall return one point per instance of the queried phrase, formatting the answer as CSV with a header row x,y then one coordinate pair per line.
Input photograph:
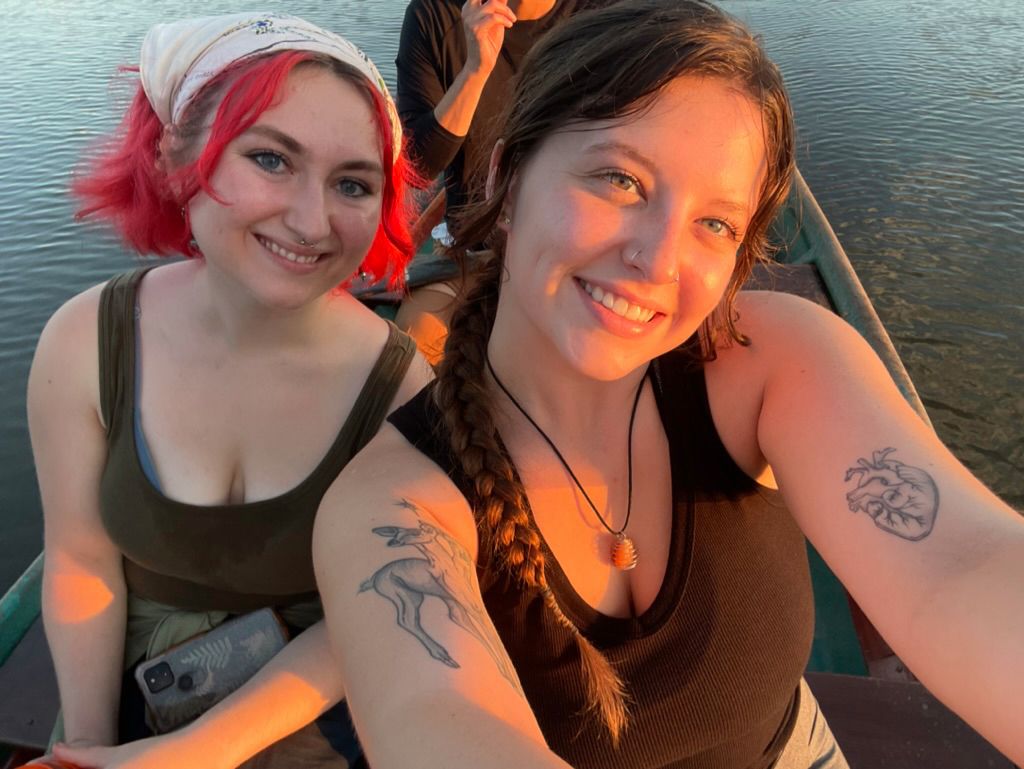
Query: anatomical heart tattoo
x,y
901,499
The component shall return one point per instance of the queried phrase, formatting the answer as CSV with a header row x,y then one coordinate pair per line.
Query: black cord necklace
x,y
623,555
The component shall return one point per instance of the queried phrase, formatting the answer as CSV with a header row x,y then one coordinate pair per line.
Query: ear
x,y
504,219
492,169
166,150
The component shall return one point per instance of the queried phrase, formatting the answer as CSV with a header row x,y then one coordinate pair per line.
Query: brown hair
x,y
606,64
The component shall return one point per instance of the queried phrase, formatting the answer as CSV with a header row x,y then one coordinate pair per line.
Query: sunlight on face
x,y
301,192
624,234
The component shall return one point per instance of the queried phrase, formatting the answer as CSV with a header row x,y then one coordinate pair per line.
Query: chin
x,y
602,364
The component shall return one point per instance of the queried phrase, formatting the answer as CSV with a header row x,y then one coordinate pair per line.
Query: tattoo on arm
x,y
902,500
444,571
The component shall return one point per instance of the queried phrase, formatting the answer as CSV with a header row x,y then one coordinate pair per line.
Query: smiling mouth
x,y
618,305
284,253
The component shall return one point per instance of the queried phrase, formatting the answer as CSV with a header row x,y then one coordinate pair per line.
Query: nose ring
x,y
635,256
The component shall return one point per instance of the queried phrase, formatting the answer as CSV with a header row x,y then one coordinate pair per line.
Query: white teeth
x,y
284,252
619,305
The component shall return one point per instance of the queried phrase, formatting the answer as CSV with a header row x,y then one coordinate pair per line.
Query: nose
x,y
307,215
659,250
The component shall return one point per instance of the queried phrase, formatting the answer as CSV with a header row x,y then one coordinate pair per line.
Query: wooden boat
x,y
881,717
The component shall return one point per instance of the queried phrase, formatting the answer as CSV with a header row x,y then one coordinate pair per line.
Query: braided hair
x,y
610,63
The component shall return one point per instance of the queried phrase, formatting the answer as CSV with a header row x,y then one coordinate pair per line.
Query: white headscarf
x,y
179,58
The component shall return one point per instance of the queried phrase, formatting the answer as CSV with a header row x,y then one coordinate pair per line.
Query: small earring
x,y
634,256
506,219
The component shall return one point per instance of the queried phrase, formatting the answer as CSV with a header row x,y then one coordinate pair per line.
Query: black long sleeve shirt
x,y
431,53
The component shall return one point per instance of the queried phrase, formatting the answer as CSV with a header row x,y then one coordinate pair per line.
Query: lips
x,y
619,305
284,253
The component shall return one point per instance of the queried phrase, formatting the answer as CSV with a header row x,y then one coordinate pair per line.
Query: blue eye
x,y
271,162
353,188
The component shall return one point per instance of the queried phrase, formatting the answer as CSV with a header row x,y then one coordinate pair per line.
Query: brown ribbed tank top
x,y
713,666
235,557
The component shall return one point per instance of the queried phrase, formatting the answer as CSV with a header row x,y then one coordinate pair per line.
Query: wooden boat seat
x,y
898,725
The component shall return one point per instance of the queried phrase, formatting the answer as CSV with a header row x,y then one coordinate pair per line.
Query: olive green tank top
x,y
234,557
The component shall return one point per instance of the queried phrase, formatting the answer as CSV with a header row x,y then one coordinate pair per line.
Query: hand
x,y
52,760
162,752
485,22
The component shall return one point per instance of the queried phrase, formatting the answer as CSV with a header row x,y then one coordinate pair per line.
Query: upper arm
x,y
394,551
425,315
890,509
69,445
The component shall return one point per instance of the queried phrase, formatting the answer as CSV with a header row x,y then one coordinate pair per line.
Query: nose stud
x,y
633,258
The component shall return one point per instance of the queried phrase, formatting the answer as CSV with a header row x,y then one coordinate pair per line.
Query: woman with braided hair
x,y
583,544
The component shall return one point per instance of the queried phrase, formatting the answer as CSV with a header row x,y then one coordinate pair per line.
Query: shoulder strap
x,y
380,387
117,342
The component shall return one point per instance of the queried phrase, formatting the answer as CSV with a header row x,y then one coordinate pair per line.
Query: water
x,y
910,136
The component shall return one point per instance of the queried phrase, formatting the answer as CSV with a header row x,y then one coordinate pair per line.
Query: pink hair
x,y
129,184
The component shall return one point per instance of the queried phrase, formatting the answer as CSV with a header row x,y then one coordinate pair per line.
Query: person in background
x,y
186,419
583,544
456,64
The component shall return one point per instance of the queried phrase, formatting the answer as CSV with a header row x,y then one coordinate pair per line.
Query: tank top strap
x,y
116,319
371,405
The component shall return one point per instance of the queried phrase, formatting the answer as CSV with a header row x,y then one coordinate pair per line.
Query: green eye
x,y
720,227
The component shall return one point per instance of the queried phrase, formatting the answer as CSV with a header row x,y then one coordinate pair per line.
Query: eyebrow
x,y
625,149
294,147
737,209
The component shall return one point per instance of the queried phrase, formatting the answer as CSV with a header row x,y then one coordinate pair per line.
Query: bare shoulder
x,y
777,322
789,339
788,335
66,361
390,482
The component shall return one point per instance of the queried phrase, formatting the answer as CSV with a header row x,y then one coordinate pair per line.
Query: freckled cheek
x,y
704,287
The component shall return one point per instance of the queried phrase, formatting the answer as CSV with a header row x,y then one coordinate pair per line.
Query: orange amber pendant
x,y
624,554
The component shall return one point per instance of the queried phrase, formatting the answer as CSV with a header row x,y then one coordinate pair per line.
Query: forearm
x,y
455,111
292,690
966,644
84,616
485,740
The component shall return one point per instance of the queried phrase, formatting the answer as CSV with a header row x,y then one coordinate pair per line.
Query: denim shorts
x,y
811,746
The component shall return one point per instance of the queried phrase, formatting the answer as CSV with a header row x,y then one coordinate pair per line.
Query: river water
x,y
910,117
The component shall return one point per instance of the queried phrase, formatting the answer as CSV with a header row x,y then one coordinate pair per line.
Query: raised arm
x,y
83,580
428,680
933,557
437,117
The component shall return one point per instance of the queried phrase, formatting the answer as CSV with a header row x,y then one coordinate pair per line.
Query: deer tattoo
x,y
443,569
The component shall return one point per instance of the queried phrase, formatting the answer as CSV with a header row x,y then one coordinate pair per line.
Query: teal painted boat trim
x,y
19,607
808,238
836,648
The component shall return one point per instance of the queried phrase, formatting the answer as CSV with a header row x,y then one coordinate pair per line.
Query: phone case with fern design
x,y
189,679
